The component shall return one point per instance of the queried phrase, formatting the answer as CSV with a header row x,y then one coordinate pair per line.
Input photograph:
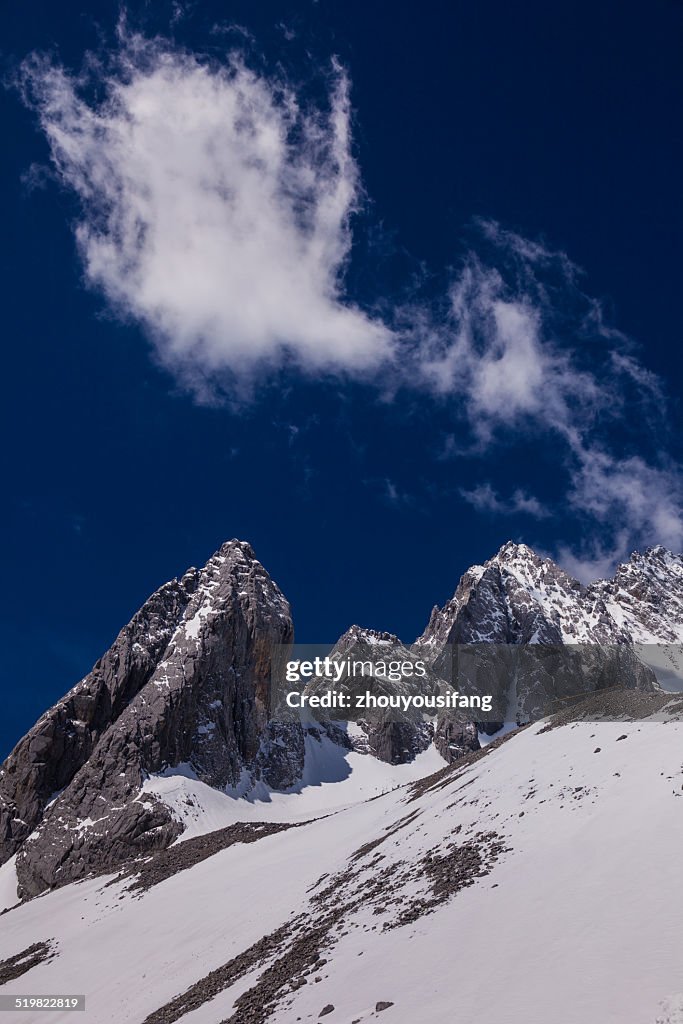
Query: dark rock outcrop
x,y
389,668
197,694
48,757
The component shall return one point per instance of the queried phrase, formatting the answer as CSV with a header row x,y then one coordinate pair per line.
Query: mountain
x,y
186,681
520,628
185,688
646,599
518,597
398,736
236,867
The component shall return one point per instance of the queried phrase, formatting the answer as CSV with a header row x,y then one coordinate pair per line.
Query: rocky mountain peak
x,y
518,596
229,547
657,551
512,552
360,635
519,599
530,568
187,681
394,736
646,596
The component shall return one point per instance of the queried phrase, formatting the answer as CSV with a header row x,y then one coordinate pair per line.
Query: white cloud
x,y
526,360
636,504
484,498
630,490
497,352
215,207
594,560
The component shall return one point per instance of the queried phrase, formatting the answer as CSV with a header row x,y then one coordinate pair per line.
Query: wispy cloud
x,y
393,494
636,503
492,350
525,358
484,498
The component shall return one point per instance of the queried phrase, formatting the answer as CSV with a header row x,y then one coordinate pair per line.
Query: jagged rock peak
x,y
519,596
513,551
657,556
514,567
241,545
646,596
659,551
186,681
359,634
518,599
529,565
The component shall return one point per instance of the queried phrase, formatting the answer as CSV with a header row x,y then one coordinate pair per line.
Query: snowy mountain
x,y
530,633
518,597
646,599
234,867
186,681
646,596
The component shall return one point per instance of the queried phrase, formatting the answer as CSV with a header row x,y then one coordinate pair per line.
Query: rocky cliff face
x,y
45,761
398,736
533,635
186,681
646,597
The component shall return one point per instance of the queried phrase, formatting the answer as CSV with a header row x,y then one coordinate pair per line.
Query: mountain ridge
x,y
187,682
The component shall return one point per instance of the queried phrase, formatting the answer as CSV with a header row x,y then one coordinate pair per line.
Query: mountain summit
x,y
186,681
519,597
646,596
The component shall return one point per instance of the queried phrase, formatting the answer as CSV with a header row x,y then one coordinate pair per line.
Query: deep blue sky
x,y
556,120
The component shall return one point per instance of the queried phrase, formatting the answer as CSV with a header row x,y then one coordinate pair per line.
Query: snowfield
x,y
334,778
8,884
538,883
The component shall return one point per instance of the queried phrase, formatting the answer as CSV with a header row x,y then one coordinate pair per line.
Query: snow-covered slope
x,y
536,882
334,778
